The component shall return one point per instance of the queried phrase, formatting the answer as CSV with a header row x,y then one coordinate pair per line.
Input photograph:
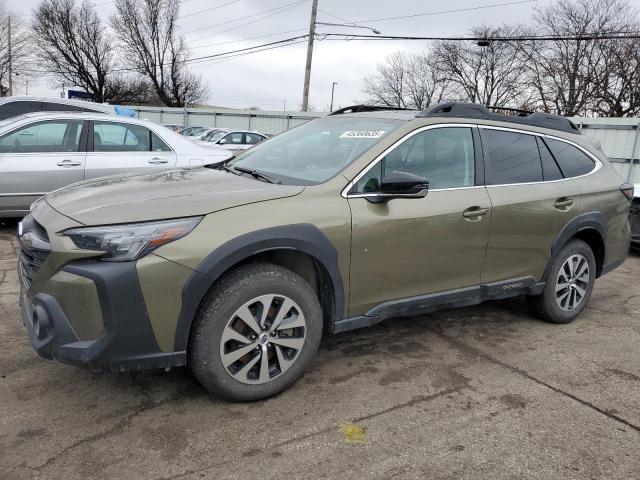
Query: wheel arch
x,y
302,248
590,227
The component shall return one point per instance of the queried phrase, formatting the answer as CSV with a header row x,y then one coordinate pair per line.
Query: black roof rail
x,y
365,108
523,117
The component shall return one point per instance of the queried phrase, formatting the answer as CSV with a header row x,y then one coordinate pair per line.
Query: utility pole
x,y
307,71
333,87
10,56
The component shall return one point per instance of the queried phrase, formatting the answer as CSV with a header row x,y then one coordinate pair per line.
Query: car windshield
x,y
316,151
214,136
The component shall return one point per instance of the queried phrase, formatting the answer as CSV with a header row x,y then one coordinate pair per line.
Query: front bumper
x,y
127,343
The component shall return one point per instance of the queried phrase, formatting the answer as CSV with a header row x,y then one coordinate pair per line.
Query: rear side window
x,y
13,109
511,157
125,137
572,161
550,169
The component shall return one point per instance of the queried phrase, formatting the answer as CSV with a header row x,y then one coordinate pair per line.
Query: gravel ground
x,y
480,392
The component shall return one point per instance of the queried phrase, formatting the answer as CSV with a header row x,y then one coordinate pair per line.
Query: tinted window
x,y
444,156
60,107
572,161
157,145
253,138
43,137
13,109
233,138
550,169
511,157
120,137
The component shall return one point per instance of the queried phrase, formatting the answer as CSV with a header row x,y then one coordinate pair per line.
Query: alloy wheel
x,y
263,339
572,282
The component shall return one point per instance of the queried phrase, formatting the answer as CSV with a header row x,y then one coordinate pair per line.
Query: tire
x,y
219,333
556,308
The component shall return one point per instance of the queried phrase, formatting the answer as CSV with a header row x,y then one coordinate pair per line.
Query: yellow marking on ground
x,y
352,432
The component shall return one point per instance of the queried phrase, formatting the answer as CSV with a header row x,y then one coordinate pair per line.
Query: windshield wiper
x,y
254,173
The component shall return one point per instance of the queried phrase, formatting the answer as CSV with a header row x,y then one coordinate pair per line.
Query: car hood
x,y
169,194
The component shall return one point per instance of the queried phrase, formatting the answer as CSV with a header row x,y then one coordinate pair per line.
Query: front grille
x,y
634,219
34,249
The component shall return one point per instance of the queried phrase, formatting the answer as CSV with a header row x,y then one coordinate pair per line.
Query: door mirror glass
x,y
222,141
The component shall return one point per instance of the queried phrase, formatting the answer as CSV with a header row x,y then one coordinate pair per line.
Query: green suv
x,y
343,222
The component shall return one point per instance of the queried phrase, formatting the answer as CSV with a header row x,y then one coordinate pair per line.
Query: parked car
x,y
635,217
173,126
337,224
234,140
19,105
192,132
41,152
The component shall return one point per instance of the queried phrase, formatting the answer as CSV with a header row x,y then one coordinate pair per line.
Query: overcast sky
x,y
268,79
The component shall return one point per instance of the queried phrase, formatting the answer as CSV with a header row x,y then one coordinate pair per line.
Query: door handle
x,y
564,203
69,163
157,161
474,212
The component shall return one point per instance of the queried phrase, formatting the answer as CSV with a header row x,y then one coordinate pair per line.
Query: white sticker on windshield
x,y
363,134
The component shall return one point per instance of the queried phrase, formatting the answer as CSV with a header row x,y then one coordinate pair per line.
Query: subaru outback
x,y
365,215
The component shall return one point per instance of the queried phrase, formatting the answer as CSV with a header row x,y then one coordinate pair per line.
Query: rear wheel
x,y
256,333
569,286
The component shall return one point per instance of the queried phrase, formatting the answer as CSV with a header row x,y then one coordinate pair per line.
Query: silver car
x,y
41,152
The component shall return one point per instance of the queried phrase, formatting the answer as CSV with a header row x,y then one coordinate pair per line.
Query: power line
x,y
281,8
251,38
513,38
441,12
207,9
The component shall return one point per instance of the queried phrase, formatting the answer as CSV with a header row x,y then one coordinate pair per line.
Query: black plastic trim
x,y
304,238
128,342
584,221
462,297
478,111
479,157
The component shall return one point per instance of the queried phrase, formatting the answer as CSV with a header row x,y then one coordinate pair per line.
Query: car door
x,y
38,158
531,202
121,147
411,247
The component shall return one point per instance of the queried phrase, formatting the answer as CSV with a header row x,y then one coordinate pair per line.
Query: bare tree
x,y
406,81
15,51
74,45
492,75
618,86
152,47
568,73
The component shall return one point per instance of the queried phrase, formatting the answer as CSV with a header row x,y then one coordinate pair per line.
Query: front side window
x,y
233,139
444,156
122,137
43,137
572,161
511,157
318,150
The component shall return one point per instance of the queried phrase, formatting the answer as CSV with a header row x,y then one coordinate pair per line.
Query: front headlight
x,y
123,243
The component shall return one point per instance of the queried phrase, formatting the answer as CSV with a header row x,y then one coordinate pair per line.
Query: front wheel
x,y
256,333
569,286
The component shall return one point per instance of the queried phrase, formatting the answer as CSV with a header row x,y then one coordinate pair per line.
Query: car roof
x,y
105,107
78,116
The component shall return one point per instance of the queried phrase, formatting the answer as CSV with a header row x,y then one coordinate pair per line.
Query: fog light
x,y
40,321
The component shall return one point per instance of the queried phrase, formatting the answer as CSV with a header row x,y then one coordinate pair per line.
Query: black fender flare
x,y
305,238
590,220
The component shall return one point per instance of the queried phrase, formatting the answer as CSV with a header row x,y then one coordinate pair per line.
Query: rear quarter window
x,y
572,161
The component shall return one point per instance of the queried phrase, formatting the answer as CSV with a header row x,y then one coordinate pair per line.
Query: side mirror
x,y
401,185
222,141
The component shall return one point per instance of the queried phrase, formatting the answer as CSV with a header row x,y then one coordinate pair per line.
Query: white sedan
x,y
41,152
233,140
